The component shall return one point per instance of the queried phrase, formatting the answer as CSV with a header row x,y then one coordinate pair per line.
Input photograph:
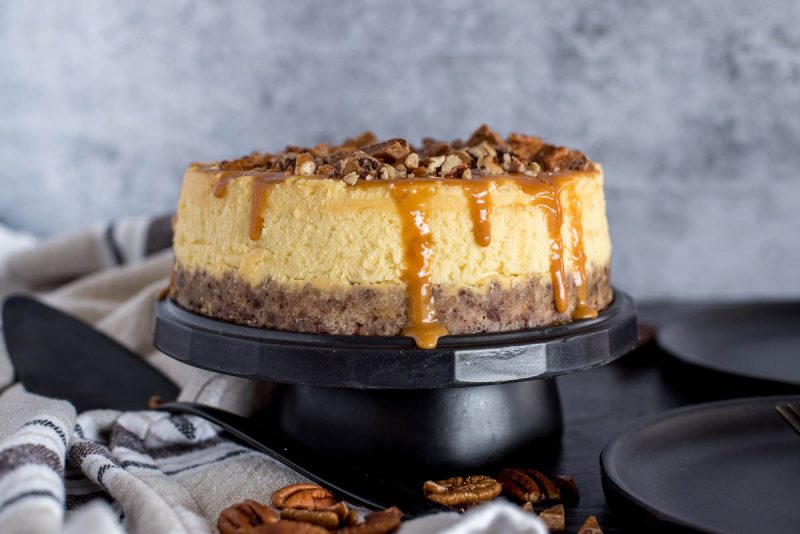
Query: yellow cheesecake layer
x,y
332,235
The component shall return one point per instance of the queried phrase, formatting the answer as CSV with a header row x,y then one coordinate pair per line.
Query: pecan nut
x,y
381,522
569,490
322,518
462,491
243,517
290,527
303,496
519,486
528,485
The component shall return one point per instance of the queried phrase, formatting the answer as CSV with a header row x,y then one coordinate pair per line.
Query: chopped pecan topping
x,y
241,518
462,492
554,517
411,161
391,151
305,165
569,490
381,522
362,157
303,496
485,134
591,526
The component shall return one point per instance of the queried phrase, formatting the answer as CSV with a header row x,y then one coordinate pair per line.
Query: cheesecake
x,y
383,238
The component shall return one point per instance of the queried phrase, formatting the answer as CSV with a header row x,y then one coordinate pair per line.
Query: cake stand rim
x,y
190,337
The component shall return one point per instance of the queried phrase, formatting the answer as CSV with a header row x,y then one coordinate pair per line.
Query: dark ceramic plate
x,y
395,362
729,467
758,340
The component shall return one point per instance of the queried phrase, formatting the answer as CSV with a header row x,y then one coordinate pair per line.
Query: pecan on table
x,y
322,518
569,490
303,496
381,522
528,485
243,517
290,527
462,491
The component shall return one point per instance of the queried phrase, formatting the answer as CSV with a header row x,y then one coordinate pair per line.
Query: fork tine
x,y
790,414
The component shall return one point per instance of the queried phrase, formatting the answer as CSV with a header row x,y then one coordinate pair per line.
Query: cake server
x,y
57,355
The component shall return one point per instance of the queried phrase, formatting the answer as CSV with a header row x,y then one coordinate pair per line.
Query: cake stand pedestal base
x,y
438,429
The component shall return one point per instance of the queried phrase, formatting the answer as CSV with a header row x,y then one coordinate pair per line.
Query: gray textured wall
x,y
693,107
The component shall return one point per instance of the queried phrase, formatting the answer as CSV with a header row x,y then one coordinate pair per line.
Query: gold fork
x,y
790,413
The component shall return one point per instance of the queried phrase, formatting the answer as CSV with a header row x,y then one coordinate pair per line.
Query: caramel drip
x,y
480,207
261,188
582,309
224,179
413,199
547,196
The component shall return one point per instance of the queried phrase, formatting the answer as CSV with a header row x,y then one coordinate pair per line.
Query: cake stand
x,y
473,401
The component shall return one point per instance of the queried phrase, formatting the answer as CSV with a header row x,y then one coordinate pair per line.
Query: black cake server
x,y
60,356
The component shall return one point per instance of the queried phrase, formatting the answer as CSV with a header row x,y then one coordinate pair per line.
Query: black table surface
x,y
601,403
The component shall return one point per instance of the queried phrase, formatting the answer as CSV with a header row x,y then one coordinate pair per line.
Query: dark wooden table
x,y
601,403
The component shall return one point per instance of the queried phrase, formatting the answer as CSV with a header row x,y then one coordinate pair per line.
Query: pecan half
x,y
554,517
290,527
303,496
323,518
569,490
381,522
528,485
241,518
462,491
550,490
591,526
519,486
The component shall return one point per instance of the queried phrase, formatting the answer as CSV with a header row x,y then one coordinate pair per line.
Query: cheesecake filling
x,y
553,194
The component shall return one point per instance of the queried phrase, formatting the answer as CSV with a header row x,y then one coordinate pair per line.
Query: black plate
x,y
759,340
728,467
365,362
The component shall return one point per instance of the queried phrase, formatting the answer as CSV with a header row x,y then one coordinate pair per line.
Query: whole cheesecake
x,y
382,238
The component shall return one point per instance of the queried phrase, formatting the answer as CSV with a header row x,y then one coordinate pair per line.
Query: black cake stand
x,y
473,401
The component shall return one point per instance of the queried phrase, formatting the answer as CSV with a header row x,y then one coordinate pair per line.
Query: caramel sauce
x,y
261,189
480,207
261,186
412,199
547,196
413,196
582,309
